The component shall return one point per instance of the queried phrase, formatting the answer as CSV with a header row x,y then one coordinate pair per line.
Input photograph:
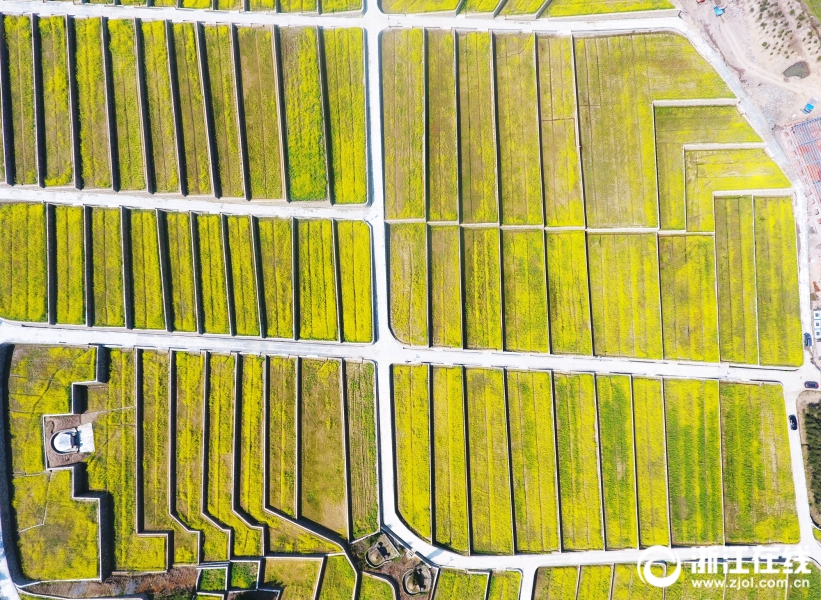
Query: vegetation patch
x,y
145,271
338,579
69,233
482,281
460,584
244,575
95,165
568,293
58,168
317,280
362,464
594,582
107,268
243,275
442,154
276,252
556,583
181,263
297,578
212,580
504,585
17,34
282,406
212,285
354,243
569,8
627,584
445,286
525,290
408,283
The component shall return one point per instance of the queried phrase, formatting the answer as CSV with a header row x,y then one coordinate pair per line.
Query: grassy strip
x,y
450,460
338,579
126,104
617,460
779,320
624,294
247,541
181,262
95,143
275,243
418,6
317,281
224,109
518,118
525,290
533,460
155,461
411,414
568,293
59,168
446,290
578,462
711,171
567,8
627,585
561,163
112,467
680,125
594,582
241,250
735,260
689,310
694,461
283,535
229,5
262,5
335,6
345,70
21,88
651,462
145,268
375,588
558,583
403,118
23,267
107,268
192,110
363,467
521,7
490,494
213,291
620,170
282,435
408,283
354,241
297,577
759,496
70,268
504,585
460,584
482,285
304,133
189,460
259,101
322,470
160,107
300,6
477,129
443,182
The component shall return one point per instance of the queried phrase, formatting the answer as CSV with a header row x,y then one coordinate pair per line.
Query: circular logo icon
x,y
658,555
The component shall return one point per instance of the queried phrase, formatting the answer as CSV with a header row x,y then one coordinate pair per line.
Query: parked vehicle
x,y
811,385
810,106
793,422
807,340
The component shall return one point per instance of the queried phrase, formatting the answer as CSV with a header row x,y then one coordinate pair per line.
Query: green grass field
x,y
107,268
338,579
259,101
360,398
243,275
445,283
282,406
411,418
556,583
345,72
477,132
578,450
127,126
145,271
70,264
58,168
95,146
779,321
408,283
689,308
354,244
624,294
192,111
374,588
460,584
568,293
450,501
759,496
442,137
297,577
21,87
533,461
213,290
318,303
490,494
403,122
181,263
525,290
224,110
568,8
276,253
694,461
482,286
651,462
160,108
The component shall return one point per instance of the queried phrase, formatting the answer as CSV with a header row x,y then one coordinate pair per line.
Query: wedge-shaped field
x,y
450,478
525,290
212,284
360,401
277,276
411,417
594,582
677,126
92,109
446,286
442,137
533,461
403,123
69,227
338,579
318,310
107,307
354,243
58,168
482,286
177,229
624,294
408,282
243,275
694,461
570,8
146,274
689,309
759,498
129,169
568,293
578,448
558,583
628,585
376,588
460,584
18,38
618,79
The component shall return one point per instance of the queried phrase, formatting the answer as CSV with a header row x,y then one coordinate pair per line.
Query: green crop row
x,y
482,286
363,467
146,275
70,268
443,182
243,275
460,584
108,301
18,38
95,165
23,264
212,276
56,111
